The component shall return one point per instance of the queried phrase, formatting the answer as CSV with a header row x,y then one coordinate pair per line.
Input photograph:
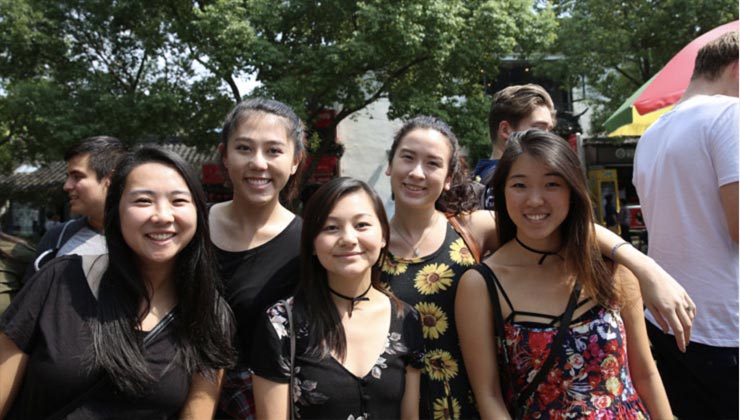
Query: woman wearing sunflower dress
x,y
428,181
427,257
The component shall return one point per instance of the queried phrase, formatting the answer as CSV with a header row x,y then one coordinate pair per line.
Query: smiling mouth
x,y
160,236
258,181
535,217
413,188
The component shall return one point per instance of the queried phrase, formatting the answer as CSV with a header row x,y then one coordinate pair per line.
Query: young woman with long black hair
x,y
589,360
357,350
140,333
255,235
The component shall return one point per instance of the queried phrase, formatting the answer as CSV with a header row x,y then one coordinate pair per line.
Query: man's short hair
x,y
514,103
715,56
104,153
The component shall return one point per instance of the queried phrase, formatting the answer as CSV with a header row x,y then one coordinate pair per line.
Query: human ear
x,y
222,152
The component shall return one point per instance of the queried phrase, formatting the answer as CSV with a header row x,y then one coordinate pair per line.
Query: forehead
x,y
540,117
79,163
261,126
154,176
353,204
427,141
527,165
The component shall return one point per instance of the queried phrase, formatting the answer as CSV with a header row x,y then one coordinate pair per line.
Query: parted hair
x,y
715,56
514,103
326,333
104,153
581,251
204,326
460,198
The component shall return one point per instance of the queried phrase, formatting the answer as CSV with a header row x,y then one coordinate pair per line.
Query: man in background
x,y
514,108
90,165
686,175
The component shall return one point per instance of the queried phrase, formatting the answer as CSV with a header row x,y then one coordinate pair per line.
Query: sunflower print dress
x,y
429,284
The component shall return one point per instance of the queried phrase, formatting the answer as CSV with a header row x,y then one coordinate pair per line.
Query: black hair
x,y
326,333
461,197
581,252
105,151
293,126
204,326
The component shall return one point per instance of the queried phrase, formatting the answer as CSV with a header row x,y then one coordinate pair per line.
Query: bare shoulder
x,y
482,225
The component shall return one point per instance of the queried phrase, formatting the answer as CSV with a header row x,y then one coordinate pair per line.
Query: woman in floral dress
x,y
358,349
549,260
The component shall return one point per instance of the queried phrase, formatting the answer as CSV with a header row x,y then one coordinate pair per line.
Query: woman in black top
x,y
358,348
78,341
255,235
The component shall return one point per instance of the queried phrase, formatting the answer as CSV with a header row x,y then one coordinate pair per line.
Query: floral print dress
x,y
429,284
590,380
323,388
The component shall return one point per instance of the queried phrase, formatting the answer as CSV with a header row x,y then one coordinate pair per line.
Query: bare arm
x,y
474,320
482,225
642,367
270,398
202,397
729,196
410,401
12,368
664,297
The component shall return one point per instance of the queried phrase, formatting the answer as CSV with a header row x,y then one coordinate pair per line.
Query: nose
x,y
163,214
69,184
258,161
417,171
534,198
348,237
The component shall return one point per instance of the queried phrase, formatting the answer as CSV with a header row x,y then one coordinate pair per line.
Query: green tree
x,y
615,47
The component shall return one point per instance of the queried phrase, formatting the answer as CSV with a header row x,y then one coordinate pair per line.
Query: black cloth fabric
x,y
48,320
256,278
324,388
701,383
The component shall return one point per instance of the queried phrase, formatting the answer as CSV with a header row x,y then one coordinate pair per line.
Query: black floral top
x,y
429,284
325,389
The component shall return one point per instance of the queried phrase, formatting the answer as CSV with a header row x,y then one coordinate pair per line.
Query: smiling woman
x,y
150,316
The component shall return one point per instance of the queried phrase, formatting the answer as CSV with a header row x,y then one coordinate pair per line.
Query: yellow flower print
x,y
393,266
433,320
460,253
440,365
433,278
443,412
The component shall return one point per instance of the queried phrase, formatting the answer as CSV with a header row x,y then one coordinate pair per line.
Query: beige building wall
x,y
367,136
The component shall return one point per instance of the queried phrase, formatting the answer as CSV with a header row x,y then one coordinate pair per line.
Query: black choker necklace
x,y
354,300
537,251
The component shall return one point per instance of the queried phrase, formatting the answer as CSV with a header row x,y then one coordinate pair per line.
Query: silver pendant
x,y
416,252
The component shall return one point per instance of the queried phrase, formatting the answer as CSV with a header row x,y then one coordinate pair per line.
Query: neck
x,y
245,214
411,220
498,149
702,86
95,223
347,294
159,278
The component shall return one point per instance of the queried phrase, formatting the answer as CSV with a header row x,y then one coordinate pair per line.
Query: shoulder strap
x,y
52,252
291,334
465,235
75,403
498,316
555,347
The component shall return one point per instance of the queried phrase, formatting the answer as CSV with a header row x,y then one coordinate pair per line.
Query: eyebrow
x,y
353,217
436,157
524,176
251,140
151,192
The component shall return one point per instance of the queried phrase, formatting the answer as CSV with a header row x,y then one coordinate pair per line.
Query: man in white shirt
x,y
686,175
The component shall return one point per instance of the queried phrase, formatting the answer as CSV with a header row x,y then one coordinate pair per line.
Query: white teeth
x,y
536,216
414,188
260,181
160,236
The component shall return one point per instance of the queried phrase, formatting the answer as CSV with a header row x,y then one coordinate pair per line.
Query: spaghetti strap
x,y
493,285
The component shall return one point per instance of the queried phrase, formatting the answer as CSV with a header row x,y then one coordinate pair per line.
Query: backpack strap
x,y
465,235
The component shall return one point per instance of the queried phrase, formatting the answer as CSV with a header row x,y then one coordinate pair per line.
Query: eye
x,y
435,164
363,225
142,200
275,151
517,185
242,147
329,228
407,157
181,201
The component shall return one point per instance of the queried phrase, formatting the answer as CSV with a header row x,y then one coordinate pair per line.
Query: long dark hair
x,y
326,333
293,126
204,324
581,251
460,197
